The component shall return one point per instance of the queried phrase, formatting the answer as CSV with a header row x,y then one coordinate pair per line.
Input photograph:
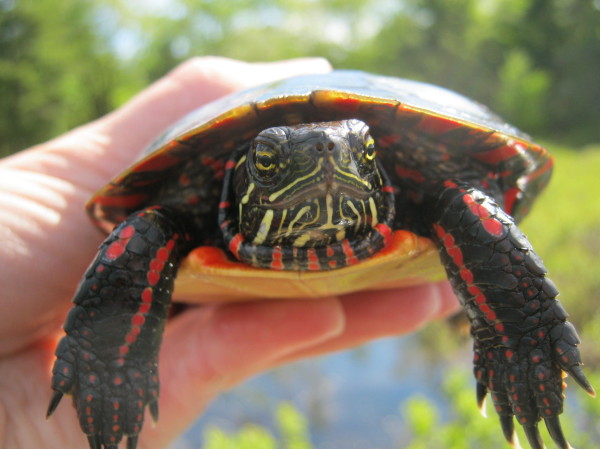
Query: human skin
x,y
47,241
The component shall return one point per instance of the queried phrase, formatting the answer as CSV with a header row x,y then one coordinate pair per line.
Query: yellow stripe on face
x,y
245,199
301,241
373,207
298,216
313,173
344,174
358,216
265,226
241,161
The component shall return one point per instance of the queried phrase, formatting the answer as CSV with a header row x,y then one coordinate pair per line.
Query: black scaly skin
x,y
522,341
127,286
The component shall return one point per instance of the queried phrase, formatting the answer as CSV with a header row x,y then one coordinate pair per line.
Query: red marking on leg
x,y
127,232
489,222
466,275
153,277
144,308
115,249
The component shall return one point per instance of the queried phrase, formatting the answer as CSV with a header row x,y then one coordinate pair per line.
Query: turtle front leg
x,y
108,358
522,340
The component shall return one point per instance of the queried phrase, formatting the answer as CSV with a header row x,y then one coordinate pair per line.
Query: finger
x,y
208,349
375,314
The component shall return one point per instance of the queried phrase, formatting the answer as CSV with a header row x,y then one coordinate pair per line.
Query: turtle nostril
x,y
330,146
319,147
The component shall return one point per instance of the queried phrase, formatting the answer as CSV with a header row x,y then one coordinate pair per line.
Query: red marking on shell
x,y
123,350
332,264
184,180
388,189
100,268
408,173
147,294
500,154
450,184
438,125
224,204
330,252
510,198
390,139
230,164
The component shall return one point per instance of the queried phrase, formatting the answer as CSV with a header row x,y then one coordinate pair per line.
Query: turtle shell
x,y
392,107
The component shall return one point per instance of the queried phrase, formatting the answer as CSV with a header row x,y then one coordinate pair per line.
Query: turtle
x,y
318,184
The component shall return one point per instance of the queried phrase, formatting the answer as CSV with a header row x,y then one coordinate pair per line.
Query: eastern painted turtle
x,y
313,185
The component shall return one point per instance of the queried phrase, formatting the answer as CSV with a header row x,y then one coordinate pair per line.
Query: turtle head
x,y
309,185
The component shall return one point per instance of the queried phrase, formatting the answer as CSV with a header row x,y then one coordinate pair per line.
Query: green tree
x,y
55,73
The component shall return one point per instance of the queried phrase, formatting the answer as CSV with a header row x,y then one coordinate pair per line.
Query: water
x,y
352,399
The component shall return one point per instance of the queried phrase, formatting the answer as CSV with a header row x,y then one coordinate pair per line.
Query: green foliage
x,y
467,429
534,61
291,424
54,72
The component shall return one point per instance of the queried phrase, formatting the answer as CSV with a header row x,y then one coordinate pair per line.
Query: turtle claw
x,y
481,395
153,407
54,401
534,437
508,429
555,431
576,373
94,442
132,442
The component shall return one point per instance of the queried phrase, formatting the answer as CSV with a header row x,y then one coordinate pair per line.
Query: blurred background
x,y
536,62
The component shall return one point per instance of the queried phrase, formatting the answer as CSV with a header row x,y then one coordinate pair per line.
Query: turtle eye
x,y
369,148
266,160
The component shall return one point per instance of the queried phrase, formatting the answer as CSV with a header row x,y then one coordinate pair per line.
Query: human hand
x,y
47,241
